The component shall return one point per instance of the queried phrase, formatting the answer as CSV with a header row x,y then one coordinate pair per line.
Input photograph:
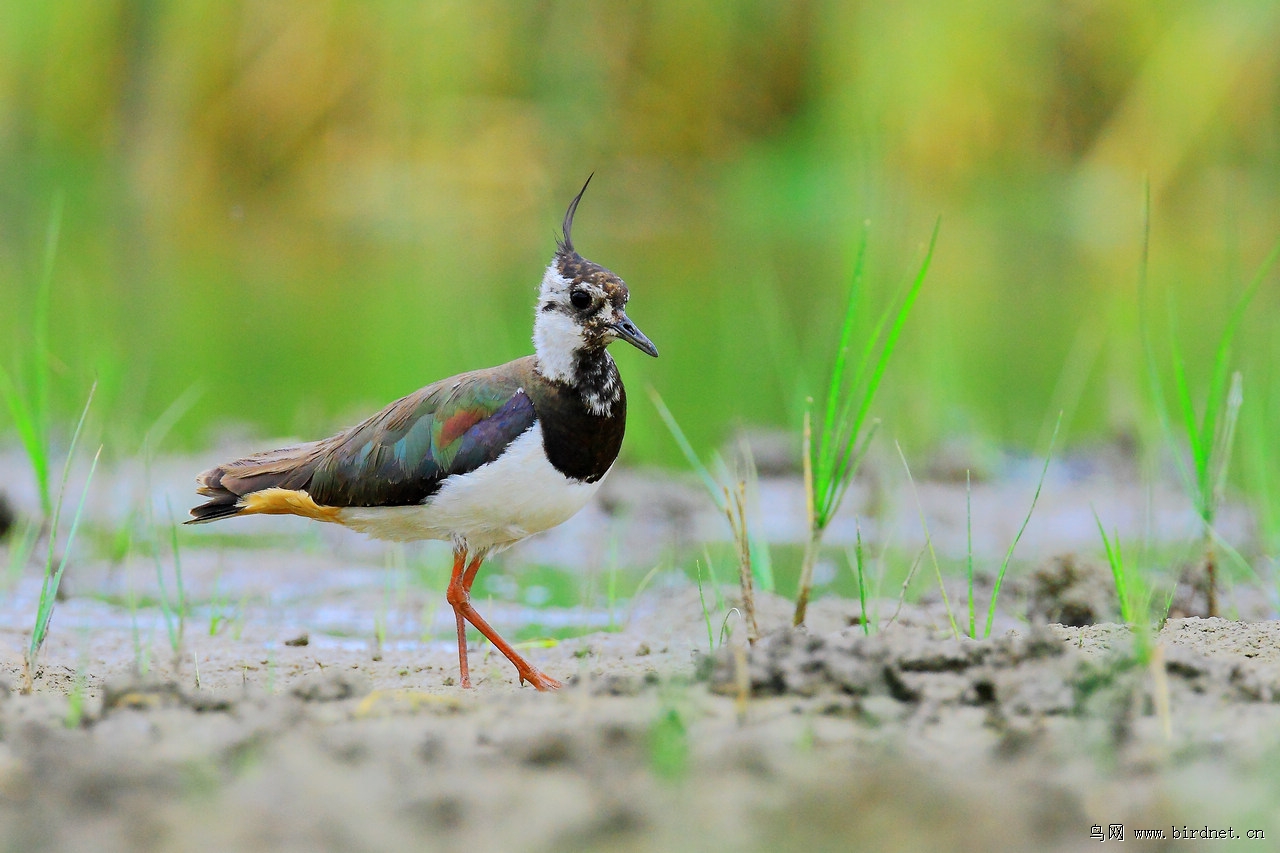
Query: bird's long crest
x,y
566,240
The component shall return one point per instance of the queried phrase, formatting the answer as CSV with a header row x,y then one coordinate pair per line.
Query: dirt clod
x,y
1191,595
330,687
1071,590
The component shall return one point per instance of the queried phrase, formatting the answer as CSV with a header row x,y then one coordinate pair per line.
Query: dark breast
x,y
580,445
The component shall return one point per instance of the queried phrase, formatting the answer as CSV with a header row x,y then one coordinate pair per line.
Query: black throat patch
x,y
581,442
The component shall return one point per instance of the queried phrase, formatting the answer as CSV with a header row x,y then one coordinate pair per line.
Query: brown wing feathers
x,y
397,457
286,469
271,482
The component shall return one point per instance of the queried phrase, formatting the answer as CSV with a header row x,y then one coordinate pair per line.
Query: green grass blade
x,y
66,474
968,517
835,382
757,547
177,573
686,448
833,449
780,340
1194,431
1073,378
1004,566
31,435
39,403
869,350
164,424
862,575
848,468
706,613
52,579
162,591
761,561
761,564
1222,356
1225,440
1210,438
1238,559
1148,344
874,337
928,541
49,590
835,460
1116,561
895,330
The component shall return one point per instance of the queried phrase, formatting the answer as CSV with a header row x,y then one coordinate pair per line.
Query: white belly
x,y
495,505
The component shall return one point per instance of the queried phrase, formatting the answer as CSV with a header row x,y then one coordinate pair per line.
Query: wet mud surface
x,y
813,739
286,726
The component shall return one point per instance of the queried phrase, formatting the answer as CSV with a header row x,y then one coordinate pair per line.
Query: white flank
x,y
496,505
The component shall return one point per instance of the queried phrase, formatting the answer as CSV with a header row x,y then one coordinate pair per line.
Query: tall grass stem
x,y
53,577
1004,566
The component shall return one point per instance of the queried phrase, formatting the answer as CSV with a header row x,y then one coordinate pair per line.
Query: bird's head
x,y
581,308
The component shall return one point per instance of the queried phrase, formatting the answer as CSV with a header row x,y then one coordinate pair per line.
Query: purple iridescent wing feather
x,y
402,455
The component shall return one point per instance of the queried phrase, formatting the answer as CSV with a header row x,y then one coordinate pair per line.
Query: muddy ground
x,y
290,725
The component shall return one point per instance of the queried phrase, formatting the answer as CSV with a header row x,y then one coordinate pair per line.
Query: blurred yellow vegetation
x,y
307,208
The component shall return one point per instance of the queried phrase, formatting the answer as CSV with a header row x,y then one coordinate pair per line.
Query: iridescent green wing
x,y
402,455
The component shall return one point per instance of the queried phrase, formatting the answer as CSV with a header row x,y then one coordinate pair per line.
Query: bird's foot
x,y
538,679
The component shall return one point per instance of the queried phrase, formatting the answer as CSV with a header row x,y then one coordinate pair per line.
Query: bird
x,y
481,460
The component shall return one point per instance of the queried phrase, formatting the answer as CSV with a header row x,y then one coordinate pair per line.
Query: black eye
x,y
580,299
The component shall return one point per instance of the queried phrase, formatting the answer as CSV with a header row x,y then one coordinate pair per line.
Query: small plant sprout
x,y
726,630
859,567
736,510
1116,560
706,612
761,566
1134,597
1210,434
716,589
832,456
860,564
928,546
175,614
906,584
53,577
968,563
1004,566
141,651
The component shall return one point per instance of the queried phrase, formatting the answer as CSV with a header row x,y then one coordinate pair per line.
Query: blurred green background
x,y
305,210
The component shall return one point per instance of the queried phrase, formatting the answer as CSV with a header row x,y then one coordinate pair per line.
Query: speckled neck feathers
x,y
579,304
597,380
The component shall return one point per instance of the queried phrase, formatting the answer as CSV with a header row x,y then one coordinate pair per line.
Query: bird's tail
x,y
222,506
273,482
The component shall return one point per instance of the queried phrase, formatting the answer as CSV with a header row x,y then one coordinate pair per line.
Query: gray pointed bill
x,y
631,333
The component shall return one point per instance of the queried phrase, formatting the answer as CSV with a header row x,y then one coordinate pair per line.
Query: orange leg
x,y
456,583
459,597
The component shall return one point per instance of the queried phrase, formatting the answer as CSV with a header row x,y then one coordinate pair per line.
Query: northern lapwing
x,y
481,460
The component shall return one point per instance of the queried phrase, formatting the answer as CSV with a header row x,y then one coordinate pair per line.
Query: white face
x,y
575,314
